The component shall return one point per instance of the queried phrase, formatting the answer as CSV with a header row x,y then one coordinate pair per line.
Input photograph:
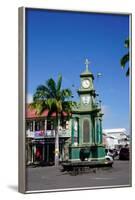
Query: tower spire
x,y
87,62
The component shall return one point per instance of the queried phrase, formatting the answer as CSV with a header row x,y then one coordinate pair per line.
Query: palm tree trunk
x,y
57,144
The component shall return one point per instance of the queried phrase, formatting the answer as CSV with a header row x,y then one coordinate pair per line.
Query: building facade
x,y
40,138
115,138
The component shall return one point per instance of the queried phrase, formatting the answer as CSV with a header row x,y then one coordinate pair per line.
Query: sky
x,y
59,42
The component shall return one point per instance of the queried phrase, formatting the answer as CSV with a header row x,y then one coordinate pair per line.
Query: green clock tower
x,y
86,138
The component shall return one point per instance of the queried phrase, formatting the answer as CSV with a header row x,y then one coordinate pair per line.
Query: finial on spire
x,y
87,62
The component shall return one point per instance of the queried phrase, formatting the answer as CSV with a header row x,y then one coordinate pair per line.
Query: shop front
x,y
41,151
40,138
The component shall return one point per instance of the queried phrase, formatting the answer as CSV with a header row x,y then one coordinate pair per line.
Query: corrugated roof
x,y
31,113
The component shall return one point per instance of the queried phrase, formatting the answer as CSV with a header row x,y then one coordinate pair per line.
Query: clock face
x,y
85,83
86,99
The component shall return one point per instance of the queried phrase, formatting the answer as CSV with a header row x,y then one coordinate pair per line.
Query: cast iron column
x,y
100,121
72,137
78,130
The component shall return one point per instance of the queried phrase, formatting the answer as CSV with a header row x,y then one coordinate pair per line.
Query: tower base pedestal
x,y
86,153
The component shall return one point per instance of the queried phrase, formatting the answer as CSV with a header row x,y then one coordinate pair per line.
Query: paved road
x,y
49,178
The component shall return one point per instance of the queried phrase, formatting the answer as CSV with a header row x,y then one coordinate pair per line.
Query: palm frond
x,y
51,97
124,60
59,83
68,105
43,88
50,103
52,87
32,105
59,106
41,93
127,73
66,93
127,43
39,106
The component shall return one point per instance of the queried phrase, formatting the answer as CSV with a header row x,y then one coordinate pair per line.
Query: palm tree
x,y
55,99
125,59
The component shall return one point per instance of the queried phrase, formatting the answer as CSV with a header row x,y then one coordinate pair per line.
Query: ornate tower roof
x,y
87,73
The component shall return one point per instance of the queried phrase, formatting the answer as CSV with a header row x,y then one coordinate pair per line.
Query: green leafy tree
x,y
125,59
55,99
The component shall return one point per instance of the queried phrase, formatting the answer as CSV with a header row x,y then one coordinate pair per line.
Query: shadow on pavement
x,y
13,187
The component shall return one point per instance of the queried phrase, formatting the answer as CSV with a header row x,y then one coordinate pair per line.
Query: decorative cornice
x,y
85,91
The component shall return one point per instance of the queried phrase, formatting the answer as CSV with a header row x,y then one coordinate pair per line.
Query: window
x,y
42,125
86,131
63,124
39,125
50,125
29,125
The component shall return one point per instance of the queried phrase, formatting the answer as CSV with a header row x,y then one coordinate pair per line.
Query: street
x,y
49,178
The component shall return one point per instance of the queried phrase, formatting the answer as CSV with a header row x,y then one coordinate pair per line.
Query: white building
x,y
115,138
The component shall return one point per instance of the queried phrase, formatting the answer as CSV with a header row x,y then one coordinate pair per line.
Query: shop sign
x,y
39,134
50,133
29,134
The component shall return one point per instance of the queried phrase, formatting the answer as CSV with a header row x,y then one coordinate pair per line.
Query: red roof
x,y
31,113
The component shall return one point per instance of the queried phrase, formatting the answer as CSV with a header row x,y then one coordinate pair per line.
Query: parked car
x,y
113,153
124,153
109,158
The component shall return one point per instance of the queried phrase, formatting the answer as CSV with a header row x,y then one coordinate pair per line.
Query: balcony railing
x,y
47,134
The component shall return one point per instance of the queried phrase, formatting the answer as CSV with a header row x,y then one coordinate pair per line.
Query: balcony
x,y
48,134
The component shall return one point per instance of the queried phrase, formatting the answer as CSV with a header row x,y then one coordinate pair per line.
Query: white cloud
x,y
29,98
